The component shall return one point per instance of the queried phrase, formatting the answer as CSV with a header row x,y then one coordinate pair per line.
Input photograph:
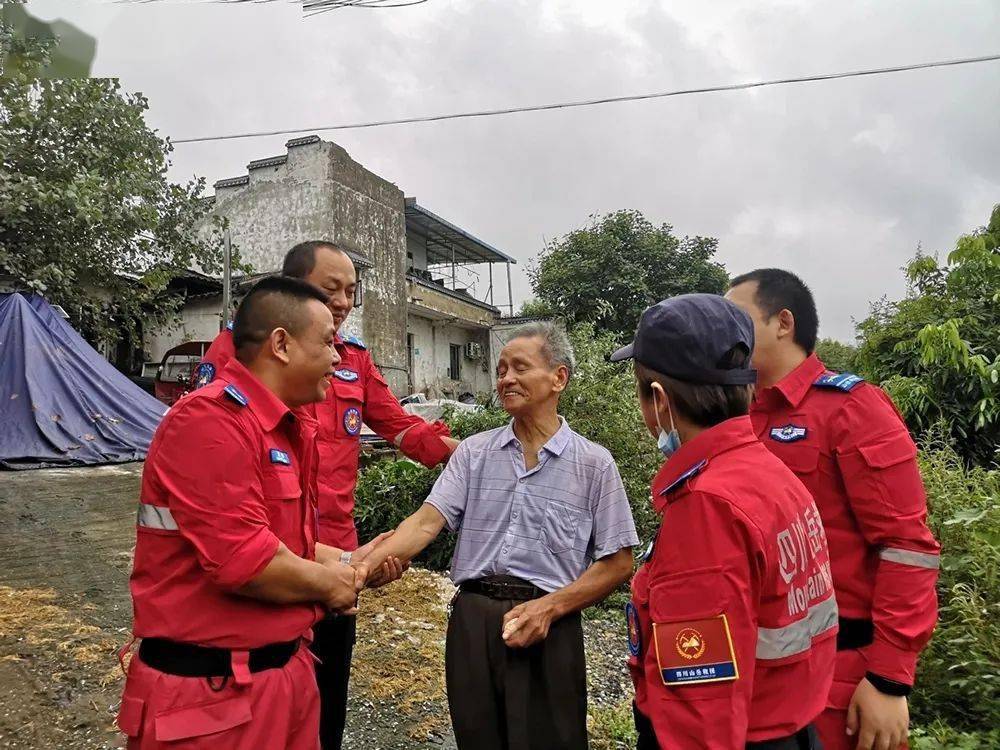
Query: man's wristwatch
x,y
345,558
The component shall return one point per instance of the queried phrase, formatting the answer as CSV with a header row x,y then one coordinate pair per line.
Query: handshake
x,y
349,580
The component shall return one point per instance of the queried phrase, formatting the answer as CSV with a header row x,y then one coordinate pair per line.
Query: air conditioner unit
x,y
473,350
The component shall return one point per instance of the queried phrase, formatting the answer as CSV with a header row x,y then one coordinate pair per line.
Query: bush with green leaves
x,y
958,681
388,492
937,351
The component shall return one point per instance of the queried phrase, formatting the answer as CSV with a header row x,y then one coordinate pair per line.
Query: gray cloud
x,y
838,181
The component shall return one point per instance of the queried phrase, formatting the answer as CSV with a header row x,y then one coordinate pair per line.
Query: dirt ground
x,y
65,555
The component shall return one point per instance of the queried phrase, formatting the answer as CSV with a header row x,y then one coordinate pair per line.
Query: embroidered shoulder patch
x,y
236,395
842,381
348,376
354,341
788,434
280,457
691,472
695,651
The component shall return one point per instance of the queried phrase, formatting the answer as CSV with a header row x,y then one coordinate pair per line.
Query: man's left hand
x,y
533,620
879,721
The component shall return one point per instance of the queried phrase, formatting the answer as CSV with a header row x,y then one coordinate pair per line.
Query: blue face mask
x,y
668,442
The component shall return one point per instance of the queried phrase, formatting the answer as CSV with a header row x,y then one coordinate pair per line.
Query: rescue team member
x,y
359,394
544,530
732,622
847,443
228,577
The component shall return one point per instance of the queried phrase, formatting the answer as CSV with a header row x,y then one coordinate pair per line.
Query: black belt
x,y
804,739
189,660
511,588
855,633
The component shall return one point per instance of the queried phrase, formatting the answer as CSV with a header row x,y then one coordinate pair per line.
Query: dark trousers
x,y
804,739
508,698
333,645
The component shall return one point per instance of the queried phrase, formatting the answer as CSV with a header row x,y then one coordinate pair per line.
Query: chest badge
x,y
348,376
634,629
280,457
352,421
788,434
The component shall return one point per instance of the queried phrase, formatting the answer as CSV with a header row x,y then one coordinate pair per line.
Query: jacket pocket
x,y
563,527
280,485
802,458
202,719
129,718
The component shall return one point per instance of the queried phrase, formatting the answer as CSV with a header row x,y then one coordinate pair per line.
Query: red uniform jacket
x,y
359,394
228,476
732,622
847,443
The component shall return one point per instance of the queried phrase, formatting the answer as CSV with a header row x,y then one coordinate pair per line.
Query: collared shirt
x,y
358,394
847,443
546,524
734,605
229,475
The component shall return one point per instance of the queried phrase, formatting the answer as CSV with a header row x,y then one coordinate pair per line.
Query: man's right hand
x,y
347,581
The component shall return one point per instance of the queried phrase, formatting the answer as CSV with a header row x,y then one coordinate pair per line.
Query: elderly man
x,y
544,531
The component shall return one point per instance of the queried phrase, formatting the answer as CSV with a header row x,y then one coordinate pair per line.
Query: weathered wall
x,y
199,322
318,192
431,356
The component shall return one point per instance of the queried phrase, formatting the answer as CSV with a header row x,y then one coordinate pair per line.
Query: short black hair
x,y
273,302
301,259
705,404
779,290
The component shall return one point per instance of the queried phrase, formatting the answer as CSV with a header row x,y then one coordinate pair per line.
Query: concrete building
x,y
427,293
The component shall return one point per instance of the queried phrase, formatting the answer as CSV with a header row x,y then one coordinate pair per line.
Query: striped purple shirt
x,y
546,525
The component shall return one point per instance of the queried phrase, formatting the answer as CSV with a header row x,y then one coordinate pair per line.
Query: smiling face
x,y
526,381
333,274
310,357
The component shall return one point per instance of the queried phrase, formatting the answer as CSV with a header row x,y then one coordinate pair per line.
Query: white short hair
x,y
556,348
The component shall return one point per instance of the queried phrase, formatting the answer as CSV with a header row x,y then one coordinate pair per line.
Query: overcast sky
x,y
838,181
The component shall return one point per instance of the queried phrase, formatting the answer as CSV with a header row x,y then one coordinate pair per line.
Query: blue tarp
x,y
62,403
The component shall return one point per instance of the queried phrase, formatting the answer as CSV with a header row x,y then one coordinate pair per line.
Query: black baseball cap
x,y
687,337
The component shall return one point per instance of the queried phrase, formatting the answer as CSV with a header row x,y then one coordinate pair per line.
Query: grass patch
x,y
611,727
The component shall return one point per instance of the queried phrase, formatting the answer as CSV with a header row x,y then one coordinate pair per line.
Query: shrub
x,y
388,492
958,681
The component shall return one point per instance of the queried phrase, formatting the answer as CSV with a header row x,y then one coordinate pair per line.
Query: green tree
x,y
938,350
836,355
534,308
87,215
609,272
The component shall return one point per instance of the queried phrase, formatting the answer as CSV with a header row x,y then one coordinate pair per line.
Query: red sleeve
x,y
709,562
215,359
418,439
877,460
210,469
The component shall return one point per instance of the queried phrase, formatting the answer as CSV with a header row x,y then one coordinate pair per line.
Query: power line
x,y
593,102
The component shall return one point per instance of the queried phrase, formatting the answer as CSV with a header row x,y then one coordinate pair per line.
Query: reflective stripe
x,y
906,557
779,643
156,517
